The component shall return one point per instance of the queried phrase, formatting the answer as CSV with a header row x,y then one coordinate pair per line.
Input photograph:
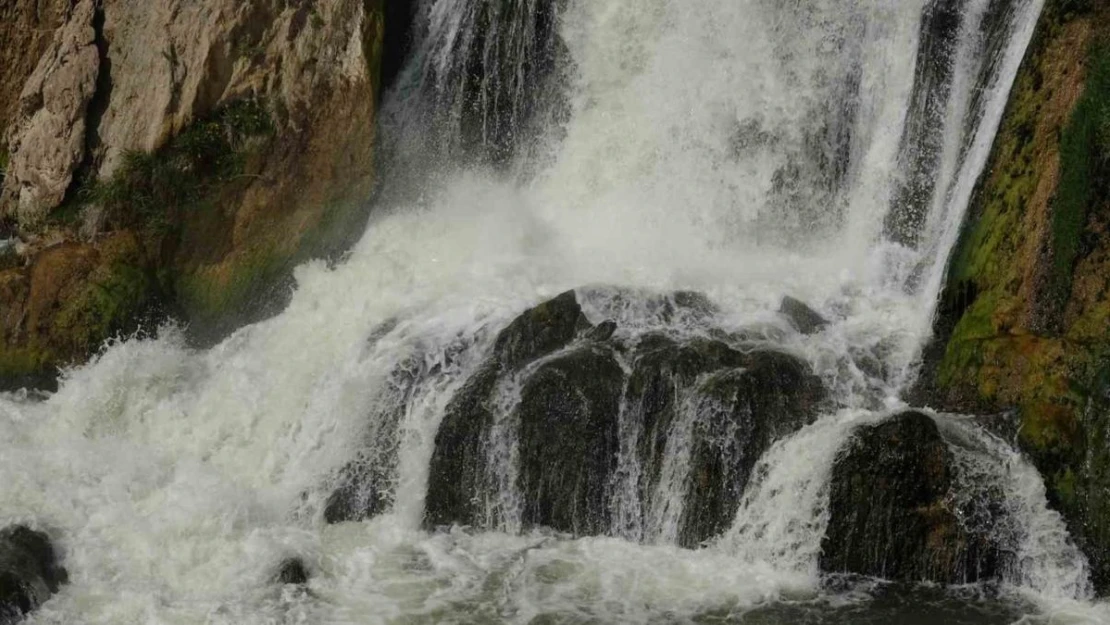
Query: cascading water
x,y
742,149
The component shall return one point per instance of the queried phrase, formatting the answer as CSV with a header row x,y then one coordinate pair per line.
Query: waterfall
x,y
682,168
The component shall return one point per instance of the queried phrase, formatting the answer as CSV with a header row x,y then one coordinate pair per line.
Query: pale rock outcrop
x,y
26,30
166,63
180,60
214,242
48,137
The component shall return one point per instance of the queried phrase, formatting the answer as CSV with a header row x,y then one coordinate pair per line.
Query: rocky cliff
x,y
1024,326
173,157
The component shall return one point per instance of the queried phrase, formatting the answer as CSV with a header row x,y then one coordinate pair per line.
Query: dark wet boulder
x,y
891,513
292,571
729,404
569,428
458,477
29,572
739,414
801,316
539,331
572,398
663,369
361,494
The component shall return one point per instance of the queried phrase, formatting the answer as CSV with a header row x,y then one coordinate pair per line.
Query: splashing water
x,y
745,149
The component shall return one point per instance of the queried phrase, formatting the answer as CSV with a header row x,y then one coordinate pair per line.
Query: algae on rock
x,y
1024,321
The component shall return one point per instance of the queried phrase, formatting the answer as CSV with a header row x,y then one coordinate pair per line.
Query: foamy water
x,y
698,154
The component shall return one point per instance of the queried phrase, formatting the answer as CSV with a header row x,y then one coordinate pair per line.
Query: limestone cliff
x,y
188,153
1025,319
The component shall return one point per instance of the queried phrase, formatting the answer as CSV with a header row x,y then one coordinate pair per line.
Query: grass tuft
x,y
147,189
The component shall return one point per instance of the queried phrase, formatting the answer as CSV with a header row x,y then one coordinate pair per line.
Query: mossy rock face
x,y
30,572
1025,317
889,510
1085,492
72,299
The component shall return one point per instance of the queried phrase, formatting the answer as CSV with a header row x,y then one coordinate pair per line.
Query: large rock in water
x,y
29,572
458,477
569,428
890,514
740,414
580,387
731,406
801,316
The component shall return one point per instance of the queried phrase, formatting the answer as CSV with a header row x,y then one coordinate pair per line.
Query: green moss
x,y
216,300
21,362
105,308
1084,160
374,44
1040,357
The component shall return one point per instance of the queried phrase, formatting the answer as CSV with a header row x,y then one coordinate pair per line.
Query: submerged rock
x,y
292,571
804,319
358,496
29,572
891,513
364,487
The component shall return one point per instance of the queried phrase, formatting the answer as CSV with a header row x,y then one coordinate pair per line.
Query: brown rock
x,y
47,139
26,28
120,77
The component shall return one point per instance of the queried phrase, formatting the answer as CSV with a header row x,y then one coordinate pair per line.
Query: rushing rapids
x,y
404,443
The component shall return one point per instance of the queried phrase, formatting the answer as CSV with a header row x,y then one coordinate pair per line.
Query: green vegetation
x,y
17,363
148,189
220,299
1076,7
105,308
1027,305
1084,170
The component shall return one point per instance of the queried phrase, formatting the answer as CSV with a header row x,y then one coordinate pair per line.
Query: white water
x,y
176,480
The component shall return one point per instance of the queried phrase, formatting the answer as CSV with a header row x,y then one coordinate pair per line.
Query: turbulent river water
x,y
746,149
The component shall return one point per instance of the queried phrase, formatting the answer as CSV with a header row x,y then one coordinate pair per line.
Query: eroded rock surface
x,y
47,139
